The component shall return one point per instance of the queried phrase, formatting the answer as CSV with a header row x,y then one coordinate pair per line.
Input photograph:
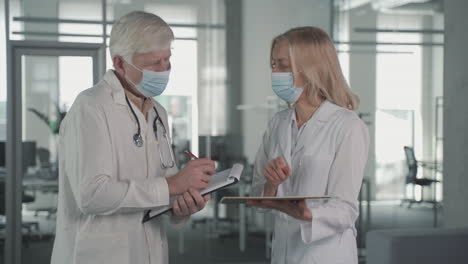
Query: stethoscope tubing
x,y
138,139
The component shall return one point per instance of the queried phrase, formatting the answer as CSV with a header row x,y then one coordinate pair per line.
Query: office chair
x,y
411,177
44,157
26,225
47,170
46,173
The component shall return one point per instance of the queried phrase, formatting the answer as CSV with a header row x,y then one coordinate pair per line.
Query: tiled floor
x,y
206,247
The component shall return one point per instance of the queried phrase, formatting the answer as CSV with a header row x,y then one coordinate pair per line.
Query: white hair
x,y
139,32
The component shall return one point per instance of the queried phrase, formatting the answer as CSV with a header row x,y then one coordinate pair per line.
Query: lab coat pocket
x,y
102,248
313,174
329,250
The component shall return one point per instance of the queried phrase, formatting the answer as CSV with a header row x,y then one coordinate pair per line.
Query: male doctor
x,y
116,161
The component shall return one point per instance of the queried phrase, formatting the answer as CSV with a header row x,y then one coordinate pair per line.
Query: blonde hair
x,y
313,53
139,32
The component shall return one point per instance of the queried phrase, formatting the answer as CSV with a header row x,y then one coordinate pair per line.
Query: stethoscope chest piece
x,y
138,140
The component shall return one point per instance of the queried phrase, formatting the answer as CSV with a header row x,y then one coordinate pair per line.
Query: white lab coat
x,y
106,182
328,159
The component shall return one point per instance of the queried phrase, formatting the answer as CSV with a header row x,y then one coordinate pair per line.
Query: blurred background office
x,y
406,59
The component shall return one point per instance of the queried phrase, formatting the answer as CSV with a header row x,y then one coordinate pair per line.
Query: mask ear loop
x,y
133,66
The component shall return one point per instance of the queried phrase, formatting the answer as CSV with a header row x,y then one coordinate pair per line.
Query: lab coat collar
x,y
117,90
326,111
323,113
118,94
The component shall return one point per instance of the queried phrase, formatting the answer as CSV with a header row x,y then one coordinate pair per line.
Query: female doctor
x,y
316,147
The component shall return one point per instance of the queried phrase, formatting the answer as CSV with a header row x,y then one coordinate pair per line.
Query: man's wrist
x,y
173,186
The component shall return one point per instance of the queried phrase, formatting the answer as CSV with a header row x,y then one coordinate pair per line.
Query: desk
x,y
44,193
34,184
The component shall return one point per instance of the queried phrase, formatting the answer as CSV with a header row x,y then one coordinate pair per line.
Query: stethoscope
x,y
138,139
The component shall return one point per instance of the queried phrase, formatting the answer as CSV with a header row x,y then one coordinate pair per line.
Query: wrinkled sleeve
x,y
86,144
344,183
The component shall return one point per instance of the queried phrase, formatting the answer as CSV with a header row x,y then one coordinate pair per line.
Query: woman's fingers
x,y
256,203
282,166
267,204
279,162
276,171
301,211
273,173
252,203
296,209
281,174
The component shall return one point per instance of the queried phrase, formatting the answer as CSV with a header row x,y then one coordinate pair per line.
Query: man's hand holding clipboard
x,y
191,201
184,189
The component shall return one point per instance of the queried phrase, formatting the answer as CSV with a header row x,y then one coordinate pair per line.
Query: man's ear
x,y
118,64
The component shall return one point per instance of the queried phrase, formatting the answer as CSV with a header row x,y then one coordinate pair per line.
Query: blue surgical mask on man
x,y
152,83
283,86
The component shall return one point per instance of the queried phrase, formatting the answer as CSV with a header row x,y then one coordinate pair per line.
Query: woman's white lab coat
x,y
106,182
327,156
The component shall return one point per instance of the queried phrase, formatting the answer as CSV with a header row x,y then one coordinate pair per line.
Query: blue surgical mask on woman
x,y
283,86
152,83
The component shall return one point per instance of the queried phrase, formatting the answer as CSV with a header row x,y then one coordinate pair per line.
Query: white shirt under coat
x,y
327,156
106,182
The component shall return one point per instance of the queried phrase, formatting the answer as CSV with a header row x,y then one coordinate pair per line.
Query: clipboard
x,y
217,182
244,199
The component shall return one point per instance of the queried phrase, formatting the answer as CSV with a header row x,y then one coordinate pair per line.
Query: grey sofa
x,y
413,246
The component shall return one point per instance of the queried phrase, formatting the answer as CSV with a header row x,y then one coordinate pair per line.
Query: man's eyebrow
x,y
156,58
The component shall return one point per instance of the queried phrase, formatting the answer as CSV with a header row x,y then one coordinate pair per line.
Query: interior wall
x,y
362,77
455,113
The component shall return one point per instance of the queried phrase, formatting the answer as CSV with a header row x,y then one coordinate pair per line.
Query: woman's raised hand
x,y
276,171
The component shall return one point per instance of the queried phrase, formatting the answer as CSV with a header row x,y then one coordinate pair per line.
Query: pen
x,y
190,154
